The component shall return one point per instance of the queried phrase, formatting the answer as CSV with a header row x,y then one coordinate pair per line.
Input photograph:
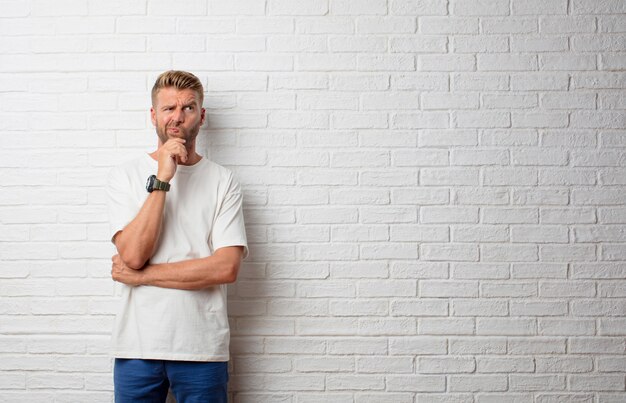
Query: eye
x,y
189,107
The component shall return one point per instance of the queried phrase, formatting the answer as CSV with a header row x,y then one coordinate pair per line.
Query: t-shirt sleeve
x,y
122,207
228,228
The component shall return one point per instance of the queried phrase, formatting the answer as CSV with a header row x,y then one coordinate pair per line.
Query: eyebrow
x,y
189,103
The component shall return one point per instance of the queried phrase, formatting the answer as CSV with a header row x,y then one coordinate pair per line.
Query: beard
x,y
187,134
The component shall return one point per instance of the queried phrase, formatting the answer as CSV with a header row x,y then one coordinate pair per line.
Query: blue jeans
x,y
147,381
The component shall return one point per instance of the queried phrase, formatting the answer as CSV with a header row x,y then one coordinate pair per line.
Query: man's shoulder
x,y
218,170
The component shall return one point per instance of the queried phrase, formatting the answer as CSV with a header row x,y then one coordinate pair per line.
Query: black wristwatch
x,y
155,184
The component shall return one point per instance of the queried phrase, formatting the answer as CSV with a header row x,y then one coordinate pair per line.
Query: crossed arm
x,y
193,274
136,243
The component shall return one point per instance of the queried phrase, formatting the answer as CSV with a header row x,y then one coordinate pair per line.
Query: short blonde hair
x,y
180,80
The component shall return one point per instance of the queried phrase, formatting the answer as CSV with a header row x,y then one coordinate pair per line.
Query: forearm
x,y
193,274
137,241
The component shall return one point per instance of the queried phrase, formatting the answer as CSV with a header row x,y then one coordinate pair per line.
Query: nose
x,y
178,115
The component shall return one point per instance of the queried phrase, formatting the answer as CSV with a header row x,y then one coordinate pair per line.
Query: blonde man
x,y
180,239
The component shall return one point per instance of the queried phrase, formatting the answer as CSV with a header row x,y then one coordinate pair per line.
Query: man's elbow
x,y
133,261
230,272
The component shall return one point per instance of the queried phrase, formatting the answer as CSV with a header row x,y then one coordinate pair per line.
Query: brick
x,y
383,25
442,138
481,119
388,178
605,7
502,364
423,270
508,289
421,120
597,382
480,44
510,176
357,345
539,44
449,101
516,101
478,383
612,215
391,62
539,7
505,253
354,382
477,345
561,253
591,43
538,270
565,327
418,233
325,326
354,82
471,307
448,25
537,382
571,138
380,364
325,25
509,25
539,119
479,233
448,176
611,23
448,288
479,157
448,215
428,7
389,251
416,383
359,308
569,24
237,7
480,271
358,120
421,196
360,7
421,44
421,81
483,196
420,158
446,63
284,7
359,196
480,7
390,100
537,81
501,62
381,215
523,308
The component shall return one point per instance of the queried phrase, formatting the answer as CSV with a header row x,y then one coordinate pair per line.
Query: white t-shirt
x,y
203,212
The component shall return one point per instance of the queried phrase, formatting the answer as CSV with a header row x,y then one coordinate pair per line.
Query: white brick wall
x,y
435,192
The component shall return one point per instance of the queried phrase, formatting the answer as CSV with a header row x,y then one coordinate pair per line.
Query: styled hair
x,y
180,80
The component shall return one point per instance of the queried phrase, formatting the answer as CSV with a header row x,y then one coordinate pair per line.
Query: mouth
x,y
173,129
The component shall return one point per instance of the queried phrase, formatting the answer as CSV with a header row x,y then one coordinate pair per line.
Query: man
x,y
180,239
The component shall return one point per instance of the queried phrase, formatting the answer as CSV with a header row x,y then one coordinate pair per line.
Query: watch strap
x,y
160,185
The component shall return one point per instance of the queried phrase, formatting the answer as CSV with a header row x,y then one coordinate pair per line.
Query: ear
x,y
202,116
153,116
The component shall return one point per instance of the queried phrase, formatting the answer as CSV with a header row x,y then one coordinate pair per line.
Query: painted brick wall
x,y
435,192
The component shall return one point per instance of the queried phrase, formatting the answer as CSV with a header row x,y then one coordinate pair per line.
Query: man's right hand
x,y
169,155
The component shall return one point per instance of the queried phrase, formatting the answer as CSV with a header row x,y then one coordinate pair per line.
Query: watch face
x,y
150,183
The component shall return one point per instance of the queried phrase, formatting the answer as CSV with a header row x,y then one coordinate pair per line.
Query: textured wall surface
x,y
435,192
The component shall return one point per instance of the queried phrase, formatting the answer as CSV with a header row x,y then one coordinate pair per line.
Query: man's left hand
x,y
124,274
